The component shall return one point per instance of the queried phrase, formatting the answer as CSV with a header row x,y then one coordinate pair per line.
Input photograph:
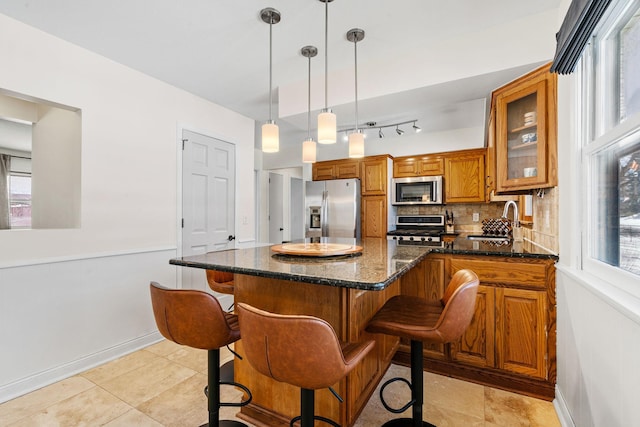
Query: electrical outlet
x,y
476,217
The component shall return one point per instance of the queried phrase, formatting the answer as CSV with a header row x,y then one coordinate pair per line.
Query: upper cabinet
x,y
404,167
464,176
373,173
522,134
336,169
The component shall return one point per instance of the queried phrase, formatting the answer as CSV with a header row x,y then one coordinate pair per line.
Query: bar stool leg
x,y
306,407
417,391
213,393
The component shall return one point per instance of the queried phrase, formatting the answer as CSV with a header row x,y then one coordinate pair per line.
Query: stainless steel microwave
x,y
419,190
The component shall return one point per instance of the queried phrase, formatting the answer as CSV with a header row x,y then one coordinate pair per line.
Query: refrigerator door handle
x,y
324,223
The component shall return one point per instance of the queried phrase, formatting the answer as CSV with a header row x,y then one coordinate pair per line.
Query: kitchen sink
x,y
489,238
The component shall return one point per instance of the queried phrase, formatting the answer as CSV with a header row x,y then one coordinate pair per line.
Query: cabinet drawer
x,y
505,270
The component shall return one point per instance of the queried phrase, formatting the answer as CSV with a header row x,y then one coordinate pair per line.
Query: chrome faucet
x,y
516,221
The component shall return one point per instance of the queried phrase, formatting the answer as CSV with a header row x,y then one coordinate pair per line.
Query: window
x,y
20,200
610,78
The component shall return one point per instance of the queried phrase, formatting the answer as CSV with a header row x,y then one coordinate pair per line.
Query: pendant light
x,y
356,139
309,145
327,133
270,131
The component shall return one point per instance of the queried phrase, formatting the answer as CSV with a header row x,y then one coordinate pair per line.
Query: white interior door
x,y
276,220
208,200
297,209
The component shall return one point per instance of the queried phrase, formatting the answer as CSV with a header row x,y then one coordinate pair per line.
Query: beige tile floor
x,y
162,385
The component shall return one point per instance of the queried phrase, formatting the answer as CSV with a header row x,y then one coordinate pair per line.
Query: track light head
x,y
416,128
399,131
380,134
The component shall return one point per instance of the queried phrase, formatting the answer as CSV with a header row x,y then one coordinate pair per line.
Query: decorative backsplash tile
x,y
543,231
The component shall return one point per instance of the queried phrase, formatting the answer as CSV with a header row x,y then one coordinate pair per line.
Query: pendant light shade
x,y
270,131
309,145
270,137
327,126
309,151
356,144
356,139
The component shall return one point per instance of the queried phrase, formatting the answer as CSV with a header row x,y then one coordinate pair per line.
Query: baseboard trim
x,y
562,410
55,374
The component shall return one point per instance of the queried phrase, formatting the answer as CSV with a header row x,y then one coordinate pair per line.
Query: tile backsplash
x,y
543,232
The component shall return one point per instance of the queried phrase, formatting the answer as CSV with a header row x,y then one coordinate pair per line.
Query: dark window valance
x,y
577,27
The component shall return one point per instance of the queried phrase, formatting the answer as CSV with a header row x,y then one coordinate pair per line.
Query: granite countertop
x,y
380,264
523,249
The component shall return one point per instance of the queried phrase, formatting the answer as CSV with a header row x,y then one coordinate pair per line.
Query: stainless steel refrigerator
x,y
332,208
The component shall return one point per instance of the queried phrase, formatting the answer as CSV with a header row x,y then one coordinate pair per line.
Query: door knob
x,y
231,237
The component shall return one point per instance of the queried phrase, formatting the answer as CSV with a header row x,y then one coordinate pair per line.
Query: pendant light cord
x,y
270,66
355,49
326,53
309,102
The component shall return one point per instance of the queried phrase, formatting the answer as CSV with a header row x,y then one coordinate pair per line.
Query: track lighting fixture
x,y
270,131
373,125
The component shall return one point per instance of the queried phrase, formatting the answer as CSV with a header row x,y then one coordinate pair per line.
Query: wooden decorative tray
x,y
316,249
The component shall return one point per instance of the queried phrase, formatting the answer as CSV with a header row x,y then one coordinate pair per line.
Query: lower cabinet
x,y
510,343
374,216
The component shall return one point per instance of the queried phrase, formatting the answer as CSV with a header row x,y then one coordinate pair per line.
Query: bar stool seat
x,y
221,281
195,319
420,321
300,350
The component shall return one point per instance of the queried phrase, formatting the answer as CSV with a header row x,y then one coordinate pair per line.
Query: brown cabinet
x,y
418,166
510,342
464,178
336,169
374,216
373,173
522,134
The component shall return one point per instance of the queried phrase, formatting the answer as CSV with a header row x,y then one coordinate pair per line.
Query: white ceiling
x,y
219,49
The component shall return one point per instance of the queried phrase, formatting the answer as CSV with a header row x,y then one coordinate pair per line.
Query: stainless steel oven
x,y
418,230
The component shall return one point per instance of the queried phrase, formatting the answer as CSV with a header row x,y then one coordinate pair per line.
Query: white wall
x,y
598,329
71,298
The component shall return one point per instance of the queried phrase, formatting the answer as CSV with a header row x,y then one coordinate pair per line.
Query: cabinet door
x,y
521,329
374,216
477,345
525,133
464,179
323,171
374,177
405,167
430,166
347,169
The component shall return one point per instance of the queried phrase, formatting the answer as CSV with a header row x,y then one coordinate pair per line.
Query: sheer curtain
x,y
5,166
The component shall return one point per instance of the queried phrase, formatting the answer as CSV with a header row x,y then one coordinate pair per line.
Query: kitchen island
x,y
345,290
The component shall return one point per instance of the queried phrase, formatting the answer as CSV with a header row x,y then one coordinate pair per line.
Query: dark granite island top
x,y
380,264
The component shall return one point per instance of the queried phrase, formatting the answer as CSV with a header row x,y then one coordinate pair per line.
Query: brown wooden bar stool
x,y
421,321
300,350
195,319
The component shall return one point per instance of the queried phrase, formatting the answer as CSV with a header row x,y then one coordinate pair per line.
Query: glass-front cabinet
x,y
525,133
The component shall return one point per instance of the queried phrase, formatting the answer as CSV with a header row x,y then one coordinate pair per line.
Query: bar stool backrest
x,y
459,302
300,350
192,318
